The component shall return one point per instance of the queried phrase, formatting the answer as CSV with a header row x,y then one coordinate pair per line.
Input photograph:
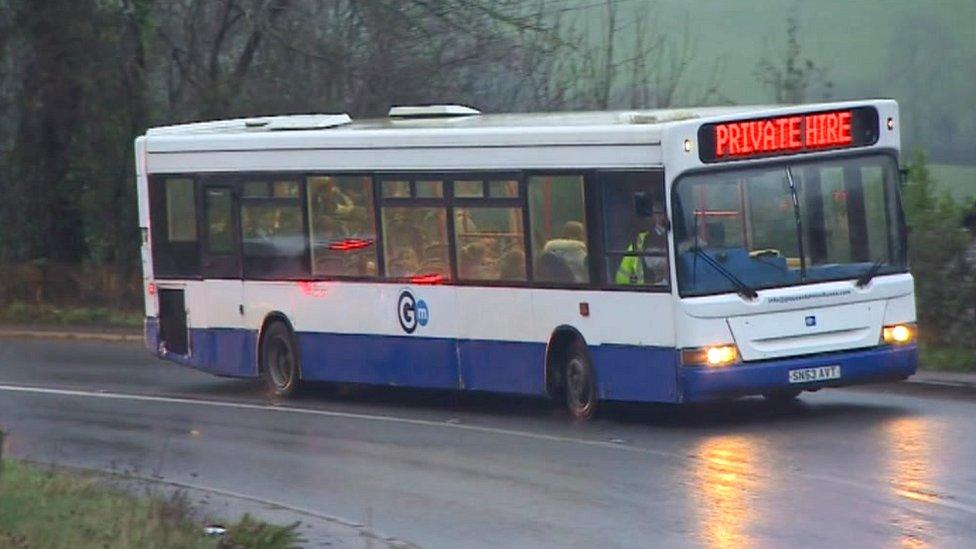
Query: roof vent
x,y
300,122
432,111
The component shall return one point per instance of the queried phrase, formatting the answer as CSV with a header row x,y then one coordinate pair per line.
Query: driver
x,y
652,239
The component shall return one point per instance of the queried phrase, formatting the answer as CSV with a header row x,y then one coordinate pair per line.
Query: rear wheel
x,y
280,366
580,384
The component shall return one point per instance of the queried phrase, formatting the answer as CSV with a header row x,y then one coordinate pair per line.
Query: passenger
x,y
436,260
511,266
404,263
571,249
330,200
651,238
476,264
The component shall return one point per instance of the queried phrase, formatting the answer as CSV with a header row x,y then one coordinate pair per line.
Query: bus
x,y
675,256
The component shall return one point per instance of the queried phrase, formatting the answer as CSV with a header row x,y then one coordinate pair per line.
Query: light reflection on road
x,y
911,476
726,483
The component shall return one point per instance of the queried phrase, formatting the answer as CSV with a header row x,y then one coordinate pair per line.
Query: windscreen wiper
x,y
863,280
744,289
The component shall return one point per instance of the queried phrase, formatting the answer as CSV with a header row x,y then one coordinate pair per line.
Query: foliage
x,y
945,283
50,508
41,508
19,312
249,532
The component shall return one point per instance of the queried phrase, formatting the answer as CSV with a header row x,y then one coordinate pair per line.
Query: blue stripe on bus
x,y
623,372
861,366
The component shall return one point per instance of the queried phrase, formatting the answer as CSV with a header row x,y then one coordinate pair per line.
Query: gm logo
x,y
411,312
810,321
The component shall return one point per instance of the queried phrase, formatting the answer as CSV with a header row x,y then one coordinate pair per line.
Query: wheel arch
x,y
559,340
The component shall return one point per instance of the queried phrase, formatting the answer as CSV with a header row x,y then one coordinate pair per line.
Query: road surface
x,y
879,467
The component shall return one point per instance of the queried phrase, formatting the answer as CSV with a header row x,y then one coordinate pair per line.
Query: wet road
x,y
881,467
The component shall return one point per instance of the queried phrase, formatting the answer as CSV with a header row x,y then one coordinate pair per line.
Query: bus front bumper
x,y
884,363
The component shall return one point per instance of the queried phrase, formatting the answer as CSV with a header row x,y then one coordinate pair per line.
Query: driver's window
x,y
635,229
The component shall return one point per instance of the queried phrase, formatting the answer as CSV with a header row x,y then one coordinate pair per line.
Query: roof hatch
x,y
431,111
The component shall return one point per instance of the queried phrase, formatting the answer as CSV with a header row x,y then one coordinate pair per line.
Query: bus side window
x,y
415,241
341,225
272,229
635,228
490,240
557,216
173,212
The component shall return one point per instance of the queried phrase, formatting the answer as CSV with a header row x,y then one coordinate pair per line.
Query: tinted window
x,y
220,229
557,215
173,220
341,226
181,210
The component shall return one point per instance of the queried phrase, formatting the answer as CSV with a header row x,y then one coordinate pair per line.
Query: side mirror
x,y
643,204
903,173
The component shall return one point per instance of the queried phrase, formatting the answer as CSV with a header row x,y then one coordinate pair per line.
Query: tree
x,y
792,77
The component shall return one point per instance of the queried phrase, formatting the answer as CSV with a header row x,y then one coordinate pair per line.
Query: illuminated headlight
x,y
713,356
898,334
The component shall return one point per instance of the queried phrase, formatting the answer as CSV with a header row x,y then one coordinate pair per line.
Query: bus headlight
x,y
713,356
898,334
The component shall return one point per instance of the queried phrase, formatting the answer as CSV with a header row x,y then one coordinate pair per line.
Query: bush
x,y
945,283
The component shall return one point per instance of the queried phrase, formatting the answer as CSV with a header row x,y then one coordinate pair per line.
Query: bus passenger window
x,y
173,226
272,232
635,229
557,216
181,213
219,206
415,242
490,243
341,225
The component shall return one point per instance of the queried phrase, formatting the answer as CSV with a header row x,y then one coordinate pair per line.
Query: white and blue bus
x,y
651,256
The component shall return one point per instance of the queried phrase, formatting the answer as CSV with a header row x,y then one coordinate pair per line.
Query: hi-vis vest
x,y
631,271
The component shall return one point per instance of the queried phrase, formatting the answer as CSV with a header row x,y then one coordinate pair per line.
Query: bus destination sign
x,y
785,135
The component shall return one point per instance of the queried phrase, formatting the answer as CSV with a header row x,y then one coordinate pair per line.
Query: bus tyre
x,y
280,367
782,397
580,384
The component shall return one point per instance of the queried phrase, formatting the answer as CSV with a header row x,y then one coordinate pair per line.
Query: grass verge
x,y
20,313
947,359
50,508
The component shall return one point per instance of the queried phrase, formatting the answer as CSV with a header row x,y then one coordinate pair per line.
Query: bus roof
x,y
334,122
639,133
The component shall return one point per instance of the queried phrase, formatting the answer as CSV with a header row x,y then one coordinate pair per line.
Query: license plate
x,y
806,375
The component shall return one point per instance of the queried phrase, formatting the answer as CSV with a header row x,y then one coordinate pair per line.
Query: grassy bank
x,y
43,508
947,359
23,313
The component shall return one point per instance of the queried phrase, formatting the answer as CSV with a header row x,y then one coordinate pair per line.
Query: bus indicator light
x,y
151,288
714,356
793,134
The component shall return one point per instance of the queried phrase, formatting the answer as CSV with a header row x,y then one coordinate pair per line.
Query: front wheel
x,y
581,399
280,366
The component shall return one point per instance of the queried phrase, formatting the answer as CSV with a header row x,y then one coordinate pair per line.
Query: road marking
x,y
949,502
334,414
